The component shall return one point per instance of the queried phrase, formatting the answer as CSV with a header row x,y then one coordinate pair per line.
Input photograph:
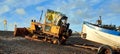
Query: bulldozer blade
x,y
21,32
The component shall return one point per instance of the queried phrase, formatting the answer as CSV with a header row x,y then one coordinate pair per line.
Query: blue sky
x,y
21,12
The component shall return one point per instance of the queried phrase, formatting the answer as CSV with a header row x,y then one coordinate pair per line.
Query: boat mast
x,y
99,21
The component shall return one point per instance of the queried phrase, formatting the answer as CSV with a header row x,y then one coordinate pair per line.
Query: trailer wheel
x,y
105,49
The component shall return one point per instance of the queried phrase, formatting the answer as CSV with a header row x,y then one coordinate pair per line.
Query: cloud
x,y
4,9
114,6
39,8
94,2
75,10
21,3
20,11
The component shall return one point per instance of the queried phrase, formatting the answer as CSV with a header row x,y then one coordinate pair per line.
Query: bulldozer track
x,y
68,45
72,45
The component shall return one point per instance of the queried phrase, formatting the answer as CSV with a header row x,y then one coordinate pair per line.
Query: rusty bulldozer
x,y
54,29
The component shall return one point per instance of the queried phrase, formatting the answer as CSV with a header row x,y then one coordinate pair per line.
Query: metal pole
x,y
5,25
41,15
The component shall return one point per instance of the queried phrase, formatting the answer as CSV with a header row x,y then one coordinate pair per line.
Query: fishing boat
x,y
105,34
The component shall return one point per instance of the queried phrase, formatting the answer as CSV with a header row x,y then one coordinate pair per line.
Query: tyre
x,y
105,49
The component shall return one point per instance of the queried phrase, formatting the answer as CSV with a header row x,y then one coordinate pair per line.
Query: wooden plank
x,y
87,47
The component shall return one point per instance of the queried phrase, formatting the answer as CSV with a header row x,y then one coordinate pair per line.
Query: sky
x,y
21,12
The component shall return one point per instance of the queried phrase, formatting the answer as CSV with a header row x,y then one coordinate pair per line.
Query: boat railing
x,y
110,27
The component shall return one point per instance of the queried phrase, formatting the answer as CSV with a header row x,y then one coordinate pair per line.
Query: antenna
x,y
41,15
100,17
15,25
99,21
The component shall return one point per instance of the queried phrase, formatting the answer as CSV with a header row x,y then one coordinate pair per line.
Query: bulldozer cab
x,y
53,22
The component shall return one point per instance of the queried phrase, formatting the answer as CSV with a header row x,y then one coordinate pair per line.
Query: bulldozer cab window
x,y
49,18
47,21
64,18
55,21
47,28
62,21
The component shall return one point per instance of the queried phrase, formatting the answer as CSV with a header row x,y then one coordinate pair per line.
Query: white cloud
x,y
115,7
39,8
20,11
94,2
21,3
4,9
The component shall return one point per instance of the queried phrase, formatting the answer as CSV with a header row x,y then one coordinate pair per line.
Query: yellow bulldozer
x,y
54,29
